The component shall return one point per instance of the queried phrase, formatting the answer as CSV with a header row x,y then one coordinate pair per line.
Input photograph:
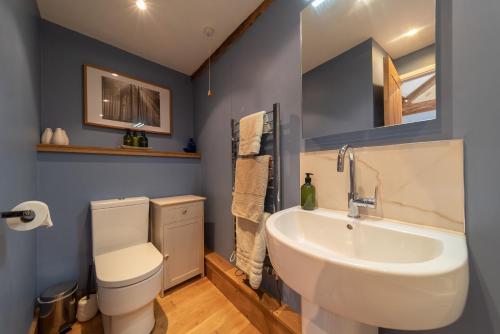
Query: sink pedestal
x,y
316,320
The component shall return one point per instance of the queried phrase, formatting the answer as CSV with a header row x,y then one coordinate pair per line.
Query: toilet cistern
x,y
353,201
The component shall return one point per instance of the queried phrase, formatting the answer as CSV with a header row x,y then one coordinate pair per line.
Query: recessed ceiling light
x,y
316,3
411,32
114,74
141,4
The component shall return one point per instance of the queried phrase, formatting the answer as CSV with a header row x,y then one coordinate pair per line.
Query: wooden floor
x,y
194,307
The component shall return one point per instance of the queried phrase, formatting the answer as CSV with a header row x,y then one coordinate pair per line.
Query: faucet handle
x,y
369,202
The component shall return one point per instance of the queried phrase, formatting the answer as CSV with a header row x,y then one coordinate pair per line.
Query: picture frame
x,y
119,101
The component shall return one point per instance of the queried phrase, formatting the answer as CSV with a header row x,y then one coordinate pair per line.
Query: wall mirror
x,y
367,64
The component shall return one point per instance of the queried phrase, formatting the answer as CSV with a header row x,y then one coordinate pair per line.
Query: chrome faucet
x,y
353,201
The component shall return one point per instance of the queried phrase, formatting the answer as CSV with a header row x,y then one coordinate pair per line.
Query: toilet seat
x,y
127,266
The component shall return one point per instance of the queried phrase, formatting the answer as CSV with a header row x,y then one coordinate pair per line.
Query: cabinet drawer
x,y
182,212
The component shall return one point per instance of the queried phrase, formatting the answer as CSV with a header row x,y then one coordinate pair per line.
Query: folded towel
x,y
251,133
250,186
251,248
258,253
245,238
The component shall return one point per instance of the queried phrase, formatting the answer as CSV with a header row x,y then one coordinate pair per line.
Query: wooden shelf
x,y
114,151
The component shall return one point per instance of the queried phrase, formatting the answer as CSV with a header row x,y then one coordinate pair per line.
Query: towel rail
x,y
270,144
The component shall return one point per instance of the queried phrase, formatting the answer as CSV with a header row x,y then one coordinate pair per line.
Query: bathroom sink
x,y
368,272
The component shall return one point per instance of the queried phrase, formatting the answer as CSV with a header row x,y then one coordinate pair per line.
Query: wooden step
x,y
261,309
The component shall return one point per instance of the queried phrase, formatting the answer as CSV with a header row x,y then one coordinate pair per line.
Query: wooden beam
x,y
415,108
237,33
422,88
418,73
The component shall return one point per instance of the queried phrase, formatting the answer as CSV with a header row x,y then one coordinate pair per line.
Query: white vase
x,y
47,136
58,137
66,138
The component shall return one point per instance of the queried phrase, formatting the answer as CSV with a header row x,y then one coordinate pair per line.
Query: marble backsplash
x,y
419,183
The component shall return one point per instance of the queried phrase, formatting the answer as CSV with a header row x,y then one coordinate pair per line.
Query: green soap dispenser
x,y
308,194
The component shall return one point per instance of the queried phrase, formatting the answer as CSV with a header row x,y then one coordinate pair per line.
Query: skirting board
x,y
261,309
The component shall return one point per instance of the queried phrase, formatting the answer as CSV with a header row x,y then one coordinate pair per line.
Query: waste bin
x,y
57,308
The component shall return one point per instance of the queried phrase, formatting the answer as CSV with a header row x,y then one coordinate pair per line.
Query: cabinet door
x,y
182,244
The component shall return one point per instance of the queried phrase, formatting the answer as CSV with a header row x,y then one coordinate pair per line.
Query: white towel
x,y
251,248
251,127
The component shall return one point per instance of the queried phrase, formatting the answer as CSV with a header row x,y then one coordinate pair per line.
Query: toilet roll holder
x,y
25,215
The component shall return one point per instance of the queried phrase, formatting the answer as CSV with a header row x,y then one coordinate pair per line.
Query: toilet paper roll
x,y
42,216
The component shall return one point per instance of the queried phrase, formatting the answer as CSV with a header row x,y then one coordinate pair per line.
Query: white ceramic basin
x,y
380,272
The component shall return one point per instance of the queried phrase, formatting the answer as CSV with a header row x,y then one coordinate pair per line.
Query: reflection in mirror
x,y
366,64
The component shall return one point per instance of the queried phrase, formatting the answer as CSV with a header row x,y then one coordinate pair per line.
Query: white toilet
x,y
128,267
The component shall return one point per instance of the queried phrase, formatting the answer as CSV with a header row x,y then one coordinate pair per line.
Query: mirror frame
x,y
439,128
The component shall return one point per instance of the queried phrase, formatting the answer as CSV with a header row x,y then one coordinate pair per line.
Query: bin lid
x,y
59,291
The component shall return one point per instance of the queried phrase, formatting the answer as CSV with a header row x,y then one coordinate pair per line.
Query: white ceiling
x,y
169,32
337,25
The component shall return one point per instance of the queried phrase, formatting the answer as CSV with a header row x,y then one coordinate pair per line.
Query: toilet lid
x,y
127,266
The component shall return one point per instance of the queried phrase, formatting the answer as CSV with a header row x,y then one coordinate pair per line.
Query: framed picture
x,y
115,100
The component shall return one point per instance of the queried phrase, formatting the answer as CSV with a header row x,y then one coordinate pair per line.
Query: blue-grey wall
x,y
19,112
338,95
476,116
264,66
64,52
416,60
261,68
67,183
